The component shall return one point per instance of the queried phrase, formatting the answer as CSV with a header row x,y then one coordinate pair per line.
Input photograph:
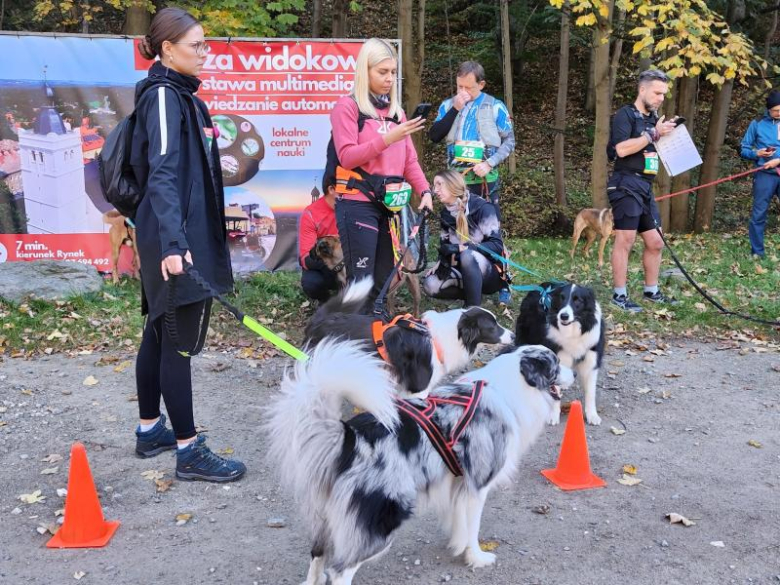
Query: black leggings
x,y
319,285
475,279
161,370
364,231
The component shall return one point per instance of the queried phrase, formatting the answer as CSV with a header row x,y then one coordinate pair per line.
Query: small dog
x,y
121,234
573,328
358,481
328,249
595,223
418,356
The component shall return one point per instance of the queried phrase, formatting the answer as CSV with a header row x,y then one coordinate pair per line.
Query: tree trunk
x,y
663,184
413,58
716,132
560,110
339,19
2,13
590,88
686,107
598,175
507,54
137,19
316,19
617,50
770,35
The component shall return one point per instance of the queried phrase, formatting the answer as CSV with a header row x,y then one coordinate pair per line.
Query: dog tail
x,y
304,422
352,299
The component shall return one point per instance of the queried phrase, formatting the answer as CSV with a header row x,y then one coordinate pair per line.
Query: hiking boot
x,y
504,296
155,440
623,302
196,461
660,298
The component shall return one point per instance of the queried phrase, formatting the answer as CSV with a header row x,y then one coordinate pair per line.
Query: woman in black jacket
x,y
464,270
181,217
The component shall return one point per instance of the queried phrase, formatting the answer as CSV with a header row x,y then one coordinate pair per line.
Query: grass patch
x,y
111,319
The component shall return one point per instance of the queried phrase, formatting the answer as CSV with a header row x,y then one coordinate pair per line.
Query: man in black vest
x,y
635,129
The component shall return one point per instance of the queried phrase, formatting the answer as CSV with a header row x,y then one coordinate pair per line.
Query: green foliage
x,y
246,18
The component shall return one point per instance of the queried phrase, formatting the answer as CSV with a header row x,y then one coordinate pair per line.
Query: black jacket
x,y
484,229
183,207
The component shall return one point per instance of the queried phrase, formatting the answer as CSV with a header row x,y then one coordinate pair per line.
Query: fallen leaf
x,y
675,518
617,431
644,390
629,481
90,381
182,519
123,366
33,498
27,392
760,269
163,485
700,306
718,543
52,458
617,364
50,471
666,394
50,528
56,334
754,443
543,510
630,469
672,375
648,358
152,474
488,545
62,492
226,451
219,367
79,574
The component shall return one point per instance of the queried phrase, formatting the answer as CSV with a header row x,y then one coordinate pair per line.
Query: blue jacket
x,y
760,134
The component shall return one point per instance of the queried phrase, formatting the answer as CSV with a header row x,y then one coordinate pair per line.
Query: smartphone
x,y
770,150
679,120
421,111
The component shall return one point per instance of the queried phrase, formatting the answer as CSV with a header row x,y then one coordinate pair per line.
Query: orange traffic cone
x,y
84,525
573,469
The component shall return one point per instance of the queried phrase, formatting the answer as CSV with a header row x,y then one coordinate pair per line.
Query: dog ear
x,y
539,368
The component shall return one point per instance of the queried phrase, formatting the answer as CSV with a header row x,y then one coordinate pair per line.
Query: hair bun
x,y
146,49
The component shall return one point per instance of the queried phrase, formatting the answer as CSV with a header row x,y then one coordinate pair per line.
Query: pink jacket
x,y
368,150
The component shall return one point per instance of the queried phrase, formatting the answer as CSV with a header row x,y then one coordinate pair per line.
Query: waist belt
x,y
422,414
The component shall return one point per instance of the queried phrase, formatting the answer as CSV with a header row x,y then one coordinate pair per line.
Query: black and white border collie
x,y
358,481
418,360
573,328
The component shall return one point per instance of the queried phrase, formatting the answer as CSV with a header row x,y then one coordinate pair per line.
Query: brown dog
x,y
595,223
412,282
120,234
328,249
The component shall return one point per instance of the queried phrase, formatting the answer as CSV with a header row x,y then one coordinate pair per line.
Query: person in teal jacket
x,y
762,145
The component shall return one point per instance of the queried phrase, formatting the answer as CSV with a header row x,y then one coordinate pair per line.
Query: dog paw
x,y
593,418
554,418
478,559
322,579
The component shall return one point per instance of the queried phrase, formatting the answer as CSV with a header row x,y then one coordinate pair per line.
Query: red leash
x,y
723,180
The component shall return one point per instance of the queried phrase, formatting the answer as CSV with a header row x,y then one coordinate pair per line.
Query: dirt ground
x,y
688,437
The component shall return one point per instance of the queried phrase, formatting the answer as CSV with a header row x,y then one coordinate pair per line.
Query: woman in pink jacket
x,y
378,167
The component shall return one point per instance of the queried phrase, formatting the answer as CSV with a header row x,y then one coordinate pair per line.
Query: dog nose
x,y
565,317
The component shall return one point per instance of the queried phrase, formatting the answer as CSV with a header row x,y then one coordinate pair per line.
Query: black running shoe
x,y
660,298
155,440
623,302
197,461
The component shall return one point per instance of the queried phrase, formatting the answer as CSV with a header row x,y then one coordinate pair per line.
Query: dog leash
x,y
379,310
710,184
242,318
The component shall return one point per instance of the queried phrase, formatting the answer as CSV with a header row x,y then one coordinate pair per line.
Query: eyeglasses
x,y
653,75
201,47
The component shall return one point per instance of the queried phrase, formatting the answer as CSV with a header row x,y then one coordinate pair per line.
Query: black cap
x,y
773,99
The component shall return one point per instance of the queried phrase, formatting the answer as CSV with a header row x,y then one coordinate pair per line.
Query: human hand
x,y
772,163
482,169
403,130
765,152
172,265
664,126
461,99
426,202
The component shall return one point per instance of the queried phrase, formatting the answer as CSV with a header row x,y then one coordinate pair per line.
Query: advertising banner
x,y
60,96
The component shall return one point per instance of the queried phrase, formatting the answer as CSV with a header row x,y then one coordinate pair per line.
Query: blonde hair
x,y
456,185
373,52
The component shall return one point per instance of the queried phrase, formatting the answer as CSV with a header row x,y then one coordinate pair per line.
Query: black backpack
x,y
117,180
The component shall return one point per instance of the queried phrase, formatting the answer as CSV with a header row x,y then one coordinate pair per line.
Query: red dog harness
x,y
378,329
423,415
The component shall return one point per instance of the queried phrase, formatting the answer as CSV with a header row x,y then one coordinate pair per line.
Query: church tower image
x,y
55,196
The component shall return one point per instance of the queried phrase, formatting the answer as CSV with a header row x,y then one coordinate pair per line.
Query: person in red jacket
x,y
318,220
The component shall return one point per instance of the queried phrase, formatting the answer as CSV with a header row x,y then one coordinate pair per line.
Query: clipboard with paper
x,y
677,151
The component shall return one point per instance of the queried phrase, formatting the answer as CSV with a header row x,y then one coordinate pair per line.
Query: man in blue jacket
x,y
762,144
